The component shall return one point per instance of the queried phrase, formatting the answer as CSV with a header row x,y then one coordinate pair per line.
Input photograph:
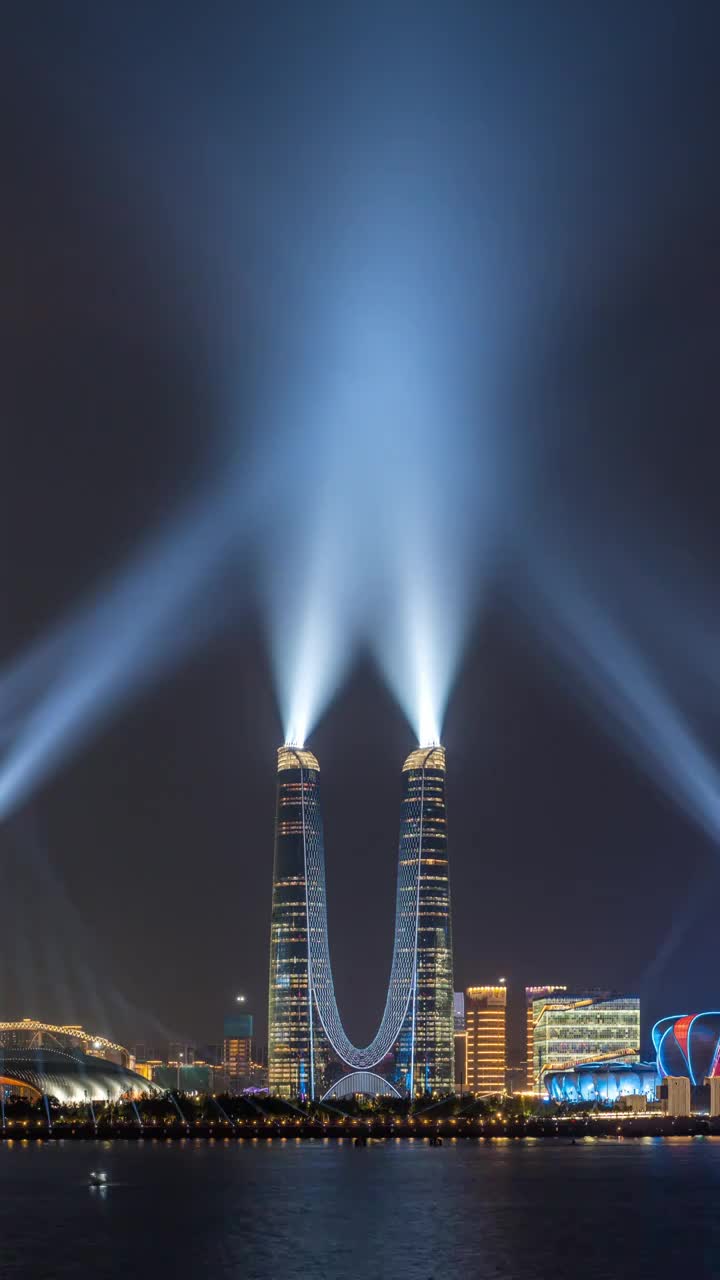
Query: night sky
x,y
167,175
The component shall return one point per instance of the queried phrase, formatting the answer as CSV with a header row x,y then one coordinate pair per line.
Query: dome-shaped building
x,y
69,1076
603,1082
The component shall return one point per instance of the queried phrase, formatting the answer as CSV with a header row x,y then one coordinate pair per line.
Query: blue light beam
x,y
155,611
386,458
625,688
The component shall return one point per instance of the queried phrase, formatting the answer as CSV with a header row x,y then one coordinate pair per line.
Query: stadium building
x,y
688,1045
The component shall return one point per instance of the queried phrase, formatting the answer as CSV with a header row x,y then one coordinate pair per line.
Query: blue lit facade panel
x,y
602,1082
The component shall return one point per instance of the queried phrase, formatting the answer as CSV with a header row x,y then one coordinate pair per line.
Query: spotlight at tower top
x,y
428,728
311,649
418,651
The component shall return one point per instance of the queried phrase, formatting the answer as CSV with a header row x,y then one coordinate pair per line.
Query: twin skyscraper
x,y
412,1052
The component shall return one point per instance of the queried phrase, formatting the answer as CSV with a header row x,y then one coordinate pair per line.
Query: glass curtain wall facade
x,y
429,1066
290,1047
587,1027
531,995
413,1049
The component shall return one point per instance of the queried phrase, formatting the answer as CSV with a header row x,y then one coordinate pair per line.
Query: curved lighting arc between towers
x,y
420,984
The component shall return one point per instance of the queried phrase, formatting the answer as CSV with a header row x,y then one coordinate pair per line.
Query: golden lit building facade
x,y
531,995
486,1038
238,1051
31,1034
591,1026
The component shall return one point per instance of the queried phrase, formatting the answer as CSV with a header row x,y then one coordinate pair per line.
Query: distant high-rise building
x,y
309,1051
460,1042
486,1030
179,1051
459,1010
238,1051
531,995
589,1026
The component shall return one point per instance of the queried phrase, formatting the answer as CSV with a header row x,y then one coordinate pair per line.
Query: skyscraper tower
x,y
430,1021
413,1050
290,1047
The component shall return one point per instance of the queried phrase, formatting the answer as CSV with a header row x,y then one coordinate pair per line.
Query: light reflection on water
x,y
539,1210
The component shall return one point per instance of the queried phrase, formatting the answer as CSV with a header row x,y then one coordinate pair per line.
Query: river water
x,y
532,1210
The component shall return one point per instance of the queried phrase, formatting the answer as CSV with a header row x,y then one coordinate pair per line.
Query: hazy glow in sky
x,y
386,463
311,633
355,300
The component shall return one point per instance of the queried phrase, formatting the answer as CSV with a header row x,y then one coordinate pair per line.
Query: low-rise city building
x,y
605,1083
675,1095
583,1027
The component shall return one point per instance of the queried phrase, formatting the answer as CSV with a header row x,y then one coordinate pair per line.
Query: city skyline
x,y
360,404
359,460
201,1030
581,1048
